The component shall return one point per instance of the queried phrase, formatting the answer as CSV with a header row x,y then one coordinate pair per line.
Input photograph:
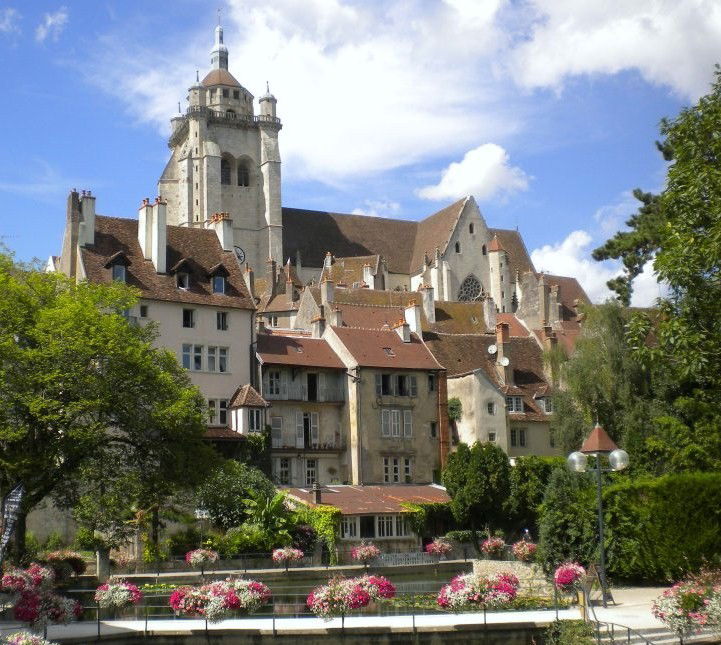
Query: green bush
x,y
248,538
661,529
569,632
464,537
32,546
183,541
54,542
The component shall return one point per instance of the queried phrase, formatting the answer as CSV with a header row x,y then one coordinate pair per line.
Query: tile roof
x,y
223,434
220,77
372,297
516,327
349,271
495,245
598,441
246,396
357,500
569,291
296,350
513,244
369,316
200,247
435,232
385,348
458,318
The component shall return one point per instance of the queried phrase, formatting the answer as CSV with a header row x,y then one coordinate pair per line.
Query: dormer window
x,y
183,281
219,284
119,272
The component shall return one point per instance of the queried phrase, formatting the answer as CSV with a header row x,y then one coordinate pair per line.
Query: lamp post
x,y
597,444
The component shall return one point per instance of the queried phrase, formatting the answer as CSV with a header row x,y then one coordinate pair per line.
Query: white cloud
x,y
483,172
612,217
9,19
668,42
572,257
52,25
378,208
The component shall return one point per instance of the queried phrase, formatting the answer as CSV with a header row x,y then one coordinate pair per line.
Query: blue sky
x,y
545,110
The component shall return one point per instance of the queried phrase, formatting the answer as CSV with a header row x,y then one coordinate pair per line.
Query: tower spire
x,y
219,55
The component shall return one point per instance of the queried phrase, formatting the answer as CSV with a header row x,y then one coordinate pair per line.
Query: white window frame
x,y
119,273
221,320
212,358
514,404
219,284
187,354
197,364
349,527
407,423
255,420
491,408
385,526
311,467
407,470
274,381
191,318
395,423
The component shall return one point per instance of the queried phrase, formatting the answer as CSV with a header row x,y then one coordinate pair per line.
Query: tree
x,y
272,514
80,386
478,481
567,524
529,478
225,492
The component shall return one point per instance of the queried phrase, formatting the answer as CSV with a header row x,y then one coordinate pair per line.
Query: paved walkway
x,y
632,608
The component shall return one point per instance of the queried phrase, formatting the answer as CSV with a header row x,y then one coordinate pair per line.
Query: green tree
x,y
79,386
224,493
567,524
478,481
271,513
528,478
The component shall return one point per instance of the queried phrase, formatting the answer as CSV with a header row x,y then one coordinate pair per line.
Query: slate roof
x,y
246,396
297,350
358,500
368,347
200,248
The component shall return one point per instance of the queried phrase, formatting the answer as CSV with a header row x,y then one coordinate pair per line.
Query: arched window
x,y
225,171
471,289
243,175
483,249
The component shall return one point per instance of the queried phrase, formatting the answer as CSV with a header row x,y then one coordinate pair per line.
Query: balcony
x,y
324,394
320,447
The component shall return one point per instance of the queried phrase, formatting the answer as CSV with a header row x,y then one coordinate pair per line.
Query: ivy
x,y
429,519
325,521
455,409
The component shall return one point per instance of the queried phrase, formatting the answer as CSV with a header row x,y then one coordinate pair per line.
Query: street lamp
x,y
598,443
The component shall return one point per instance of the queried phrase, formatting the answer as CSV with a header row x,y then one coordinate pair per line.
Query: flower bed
x,y
66,563
524,550
439,547
473,591
342,595
25,638
493,547
286,555
217,600
117,594
365,552
568,576
688,606
201,557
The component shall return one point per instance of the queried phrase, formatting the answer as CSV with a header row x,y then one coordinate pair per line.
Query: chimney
x,y
429,303
316,491
336,317
503,368
159,246
542,300
145,227
223,226
249,277
413,316
260,324
550,340
327,288
403,330
317,327
489,312
69,255
368,276
328,261
86,234
554,306
272,276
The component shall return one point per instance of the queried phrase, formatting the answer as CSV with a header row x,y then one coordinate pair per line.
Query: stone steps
x,y
657,636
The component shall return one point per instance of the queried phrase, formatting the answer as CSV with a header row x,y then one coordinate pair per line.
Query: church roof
x,y
200,247
512,243
495,245
434,232
220,77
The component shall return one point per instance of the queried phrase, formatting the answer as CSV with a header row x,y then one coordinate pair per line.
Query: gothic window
x,y
224,171
243,175
471,289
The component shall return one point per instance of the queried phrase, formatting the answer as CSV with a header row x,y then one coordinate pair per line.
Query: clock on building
x,y
239,253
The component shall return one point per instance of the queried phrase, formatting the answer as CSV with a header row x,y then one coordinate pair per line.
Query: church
x,y
225,163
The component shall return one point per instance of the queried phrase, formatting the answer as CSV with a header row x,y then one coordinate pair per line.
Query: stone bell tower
x,y
225,159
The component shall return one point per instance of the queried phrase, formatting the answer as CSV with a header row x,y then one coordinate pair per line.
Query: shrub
x,y
455,409
473,590
304,537
54,542
661,529
439,547
524,550
464,537
183,541
570,632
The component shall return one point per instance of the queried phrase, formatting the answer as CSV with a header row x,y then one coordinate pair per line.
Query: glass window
x,y
514,403
143,311
385,423
189,318
349,527
243,175
547,405
492,437
402,385
401,526
212,410
471,229
226,93
183,280
218,284
491,407
221,320
276,431
470,289
284,470
225,170
522,437
254,420
458,247
395,423
236,94
197,357
212,358
367,526
514,437
412,386
431,382
222,359
407,475
187,351
119,272
385,525
274,382
434,429
407,423
391,470
273,321
386,385
223,412
311,471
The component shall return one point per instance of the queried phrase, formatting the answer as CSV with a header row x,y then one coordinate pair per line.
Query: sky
x,y
545,110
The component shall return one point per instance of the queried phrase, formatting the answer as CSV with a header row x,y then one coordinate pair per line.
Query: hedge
x,y
660,529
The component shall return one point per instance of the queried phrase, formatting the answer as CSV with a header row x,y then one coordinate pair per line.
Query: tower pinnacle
x,y
219,55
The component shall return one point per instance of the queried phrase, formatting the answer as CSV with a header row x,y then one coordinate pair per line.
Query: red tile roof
x,y
296,350
220,77
360,500
246,396
516,327
200,247
385,348
495,245
518,258
434,232
223,434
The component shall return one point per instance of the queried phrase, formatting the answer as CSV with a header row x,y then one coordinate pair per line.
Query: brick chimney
x,y
503,337
413,316
69,255
403,330
86,235
328,260
327,289
429,303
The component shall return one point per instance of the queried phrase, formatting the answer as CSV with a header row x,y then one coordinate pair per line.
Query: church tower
x,y
225,159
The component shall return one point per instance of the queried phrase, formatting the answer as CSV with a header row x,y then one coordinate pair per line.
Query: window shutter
x,y
407,423
414,386
396,422
379,385
314,429
321,386
386,423
299,429
276,432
